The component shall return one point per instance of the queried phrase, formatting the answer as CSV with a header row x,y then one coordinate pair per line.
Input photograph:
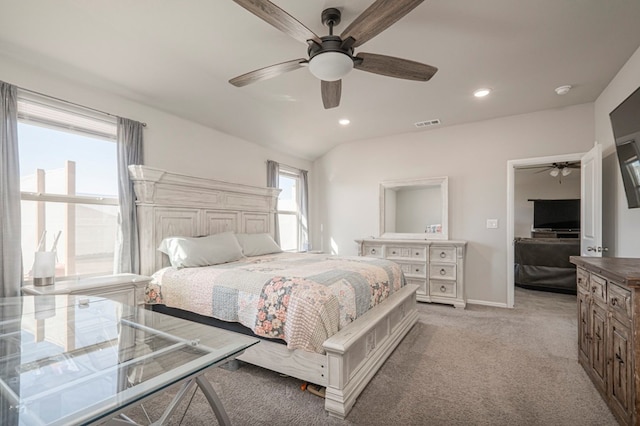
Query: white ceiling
x,y
178,56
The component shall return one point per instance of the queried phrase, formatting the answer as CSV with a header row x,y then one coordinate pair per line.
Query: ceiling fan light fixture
x,y
555,172
566,171
330,66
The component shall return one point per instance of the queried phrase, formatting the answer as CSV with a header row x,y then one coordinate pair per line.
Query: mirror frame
x,y
443,182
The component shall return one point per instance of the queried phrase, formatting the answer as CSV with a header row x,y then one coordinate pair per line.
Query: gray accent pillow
x,y
189,252
257,244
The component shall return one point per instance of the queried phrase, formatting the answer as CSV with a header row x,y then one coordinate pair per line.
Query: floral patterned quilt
x,y
300,298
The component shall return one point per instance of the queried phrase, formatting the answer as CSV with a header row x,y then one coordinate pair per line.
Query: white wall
x,y
621,225
531,185
170,142
474,156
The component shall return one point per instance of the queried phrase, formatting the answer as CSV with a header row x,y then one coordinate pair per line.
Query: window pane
x,y
71,163
87,241
287,200
58,162
288,225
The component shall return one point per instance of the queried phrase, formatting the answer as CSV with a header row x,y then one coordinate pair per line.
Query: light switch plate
x,y
492,223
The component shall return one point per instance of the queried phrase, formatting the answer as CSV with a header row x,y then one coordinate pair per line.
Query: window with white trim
x,y
288,208
68,184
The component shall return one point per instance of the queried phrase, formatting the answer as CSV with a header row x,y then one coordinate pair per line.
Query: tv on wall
x,y
556,215
625,120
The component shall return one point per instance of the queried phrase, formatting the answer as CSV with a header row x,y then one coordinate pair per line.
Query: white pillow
x,y
185,252
257,244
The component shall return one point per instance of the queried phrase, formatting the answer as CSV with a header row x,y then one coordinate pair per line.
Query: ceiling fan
x,y
331,57
555,169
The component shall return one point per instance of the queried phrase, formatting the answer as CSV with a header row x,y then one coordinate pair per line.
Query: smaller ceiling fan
x,y
331,57
556,169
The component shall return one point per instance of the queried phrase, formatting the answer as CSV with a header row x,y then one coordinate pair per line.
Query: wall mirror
x,y
415,209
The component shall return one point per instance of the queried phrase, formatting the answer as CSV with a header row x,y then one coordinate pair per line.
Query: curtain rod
x,y
291,167
72,103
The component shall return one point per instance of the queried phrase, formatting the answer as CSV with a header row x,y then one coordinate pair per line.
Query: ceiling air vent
x,y
421,124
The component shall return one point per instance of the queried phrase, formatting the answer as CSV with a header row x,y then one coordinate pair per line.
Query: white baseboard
x,y
485,303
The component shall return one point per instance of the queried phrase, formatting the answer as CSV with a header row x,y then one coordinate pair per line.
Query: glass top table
x,y
78,359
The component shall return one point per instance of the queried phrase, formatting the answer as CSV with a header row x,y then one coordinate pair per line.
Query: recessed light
x,y
344,121
563,90
481,93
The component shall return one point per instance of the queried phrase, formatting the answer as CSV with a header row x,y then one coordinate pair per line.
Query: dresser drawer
x,y
445,271
598,288
619,299
372,250
442,288
582,277
415,269
418,253
442,254
393,252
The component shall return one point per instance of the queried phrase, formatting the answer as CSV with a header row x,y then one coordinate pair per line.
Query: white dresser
x,y
437,267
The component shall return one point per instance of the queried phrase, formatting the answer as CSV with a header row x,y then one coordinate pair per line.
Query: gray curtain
x,y
10,244
303,208
10,235
273,178
129,152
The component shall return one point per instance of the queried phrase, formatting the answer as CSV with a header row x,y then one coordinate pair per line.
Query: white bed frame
x,y
170,204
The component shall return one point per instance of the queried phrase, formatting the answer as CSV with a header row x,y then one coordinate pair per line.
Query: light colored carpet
x,y
478,366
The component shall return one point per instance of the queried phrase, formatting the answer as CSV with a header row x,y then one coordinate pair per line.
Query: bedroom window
x,y
288,211
68,184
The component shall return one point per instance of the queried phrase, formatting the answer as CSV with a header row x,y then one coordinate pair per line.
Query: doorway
x,y
512,166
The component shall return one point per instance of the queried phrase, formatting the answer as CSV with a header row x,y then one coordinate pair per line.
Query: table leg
x,y
214,401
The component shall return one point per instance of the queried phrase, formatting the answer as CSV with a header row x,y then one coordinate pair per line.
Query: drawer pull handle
x,y
393,252
417,253
443,289
614,301
579,280
443,272
443,254
373,251
593,289
417,270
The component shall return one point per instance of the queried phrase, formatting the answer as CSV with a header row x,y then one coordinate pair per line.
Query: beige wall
x,y
170,142
621,225
474,156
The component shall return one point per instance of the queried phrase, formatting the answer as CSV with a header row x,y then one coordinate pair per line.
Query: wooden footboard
x,y
353,356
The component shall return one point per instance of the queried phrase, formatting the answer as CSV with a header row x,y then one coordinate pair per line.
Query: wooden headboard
x,y
171,204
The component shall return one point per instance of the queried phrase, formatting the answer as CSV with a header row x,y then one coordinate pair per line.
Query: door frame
x,y
511,166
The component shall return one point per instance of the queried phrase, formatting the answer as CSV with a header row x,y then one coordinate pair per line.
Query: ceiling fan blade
x,y
394,67
331,91
267,72
272,14
377,18
533,167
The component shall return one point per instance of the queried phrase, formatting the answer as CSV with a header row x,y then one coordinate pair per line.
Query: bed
x,y
343,357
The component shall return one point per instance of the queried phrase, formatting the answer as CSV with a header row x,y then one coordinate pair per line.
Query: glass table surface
x,y
79,359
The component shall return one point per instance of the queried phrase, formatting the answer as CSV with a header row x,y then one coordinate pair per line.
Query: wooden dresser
x,y
608,327
436,266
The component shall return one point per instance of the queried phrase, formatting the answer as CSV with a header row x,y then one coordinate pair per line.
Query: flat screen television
x,y
556,215
625,120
